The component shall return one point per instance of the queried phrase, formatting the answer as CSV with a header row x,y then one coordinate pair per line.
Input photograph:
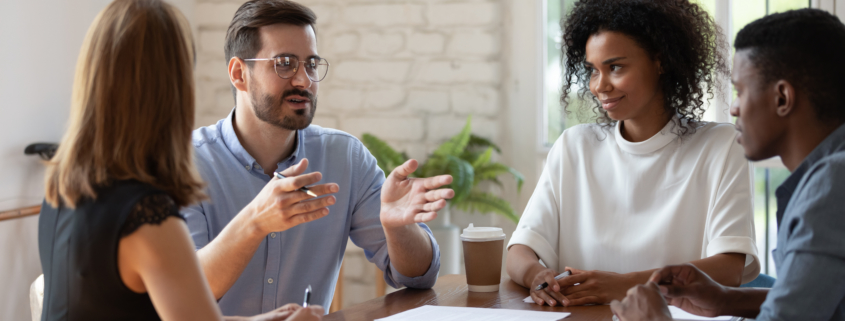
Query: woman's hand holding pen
x,y
550,295
281,205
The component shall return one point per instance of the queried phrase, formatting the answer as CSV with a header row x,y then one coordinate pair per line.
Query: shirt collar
x,y
230,138
658,141
834,142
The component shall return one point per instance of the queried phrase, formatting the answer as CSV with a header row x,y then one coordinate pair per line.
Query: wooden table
x,y
451,290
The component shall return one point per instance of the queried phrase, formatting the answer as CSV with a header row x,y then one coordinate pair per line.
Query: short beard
x,y
269,109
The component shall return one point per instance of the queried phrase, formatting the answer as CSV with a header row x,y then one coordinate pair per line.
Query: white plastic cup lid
x,y
472,233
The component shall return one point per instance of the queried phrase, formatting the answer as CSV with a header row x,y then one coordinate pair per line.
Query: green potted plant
x,y
468,158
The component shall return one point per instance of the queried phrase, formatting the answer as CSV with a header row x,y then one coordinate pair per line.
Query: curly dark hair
x,y
680,34
803,47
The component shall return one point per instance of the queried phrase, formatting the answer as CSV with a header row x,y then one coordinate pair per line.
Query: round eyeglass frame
x,y
277,61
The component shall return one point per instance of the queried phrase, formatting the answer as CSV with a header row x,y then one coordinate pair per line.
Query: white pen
x,y
302,189
558,277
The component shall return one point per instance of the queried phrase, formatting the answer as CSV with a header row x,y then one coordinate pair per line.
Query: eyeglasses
x,y
287,66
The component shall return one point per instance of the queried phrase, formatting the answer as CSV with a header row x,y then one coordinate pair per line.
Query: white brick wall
x,y
407,71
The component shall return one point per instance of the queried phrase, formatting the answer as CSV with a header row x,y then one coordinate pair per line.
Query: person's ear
x,y
237,73
784,98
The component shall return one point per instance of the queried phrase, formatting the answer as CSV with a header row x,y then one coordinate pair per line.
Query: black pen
x,y
307,297
558,277
302,189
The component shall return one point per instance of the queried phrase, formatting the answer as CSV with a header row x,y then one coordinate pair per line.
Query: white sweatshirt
x,y
604,203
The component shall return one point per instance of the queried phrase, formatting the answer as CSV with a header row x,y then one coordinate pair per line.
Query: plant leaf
x,y
486,203
457,144
478,141
463,177
483,158
491,171
387,157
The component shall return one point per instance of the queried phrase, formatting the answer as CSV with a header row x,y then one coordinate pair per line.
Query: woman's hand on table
x,y
551,294
594,287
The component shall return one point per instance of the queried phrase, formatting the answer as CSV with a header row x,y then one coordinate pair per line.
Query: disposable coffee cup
x,y
483,248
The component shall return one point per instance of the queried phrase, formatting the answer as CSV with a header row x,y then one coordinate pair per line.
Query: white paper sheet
x,y
439,313
679,314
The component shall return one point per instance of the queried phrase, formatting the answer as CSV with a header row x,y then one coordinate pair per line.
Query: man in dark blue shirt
x,y
789,73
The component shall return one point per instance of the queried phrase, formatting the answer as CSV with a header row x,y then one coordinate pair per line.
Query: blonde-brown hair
x,y
132,108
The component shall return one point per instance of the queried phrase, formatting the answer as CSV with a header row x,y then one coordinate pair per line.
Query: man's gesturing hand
x,y
280,206
406,200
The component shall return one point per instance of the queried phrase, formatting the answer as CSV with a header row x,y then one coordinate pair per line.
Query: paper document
x,y
678,314
438,313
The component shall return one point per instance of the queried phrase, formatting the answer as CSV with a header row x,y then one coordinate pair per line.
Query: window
x,y
731,15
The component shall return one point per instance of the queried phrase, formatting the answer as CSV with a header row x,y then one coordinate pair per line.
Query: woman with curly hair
x,y
649,184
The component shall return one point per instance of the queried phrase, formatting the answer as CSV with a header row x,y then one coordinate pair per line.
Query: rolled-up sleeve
x,y
730,223
197,224
538,227
811,272
367,232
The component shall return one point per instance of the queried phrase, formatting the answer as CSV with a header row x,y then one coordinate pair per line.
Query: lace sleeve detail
x,y
151,209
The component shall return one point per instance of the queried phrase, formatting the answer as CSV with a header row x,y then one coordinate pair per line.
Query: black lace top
x,y
151,209
79,253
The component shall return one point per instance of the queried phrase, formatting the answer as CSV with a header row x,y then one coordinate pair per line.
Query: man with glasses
x,y
253,246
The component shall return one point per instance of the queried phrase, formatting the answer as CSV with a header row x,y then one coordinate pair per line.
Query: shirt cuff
x,y
538,244
738,244
425,281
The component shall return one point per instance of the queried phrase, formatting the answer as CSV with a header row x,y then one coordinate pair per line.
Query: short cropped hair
x,y
806,48
242,38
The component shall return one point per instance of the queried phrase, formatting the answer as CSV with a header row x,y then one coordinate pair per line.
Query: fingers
x,y
574,270
290,307
544,297
437,181
293,183
292,198
296,169
433,207
312,205
592,299
439,194
403,171
425,217
618,309
562,299
314,312
308,216
573,279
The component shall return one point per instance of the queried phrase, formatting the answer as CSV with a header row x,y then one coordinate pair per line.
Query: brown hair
x,y
132,107
242,38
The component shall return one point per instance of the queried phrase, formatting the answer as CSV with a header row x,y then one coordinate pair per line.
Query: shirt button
x,y
273,235
247,167
256,166
270,280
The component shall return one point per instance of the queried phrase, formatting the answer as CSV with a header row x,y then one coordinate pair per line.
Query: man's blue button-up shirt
x,y
308,254
810,254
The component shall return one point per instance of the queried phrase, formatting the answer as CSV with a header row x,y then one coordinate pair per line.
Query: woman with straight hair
x,y
113,245
649,184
